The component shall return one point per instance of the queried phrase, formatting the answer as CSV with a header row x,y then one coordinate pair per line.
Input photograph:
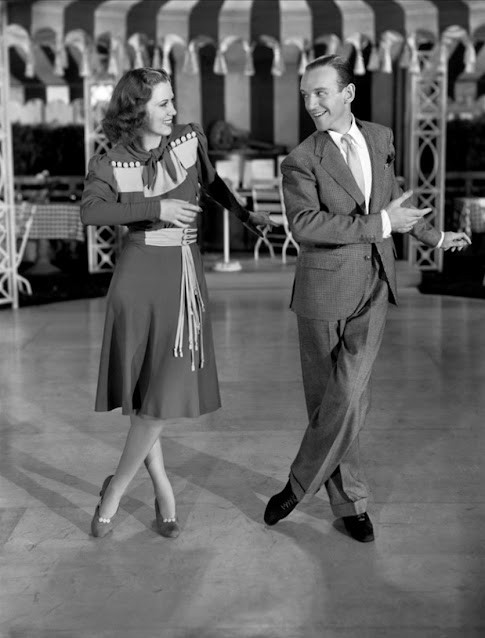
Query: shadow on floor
x,y
462,276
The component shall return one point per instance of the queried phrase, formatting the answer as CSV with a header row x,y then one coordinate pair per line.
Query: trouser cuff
x,y
349,509
296,487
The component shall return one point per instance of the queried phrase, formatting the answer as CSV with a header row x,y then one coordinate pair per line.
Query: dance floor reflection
x,y
227,575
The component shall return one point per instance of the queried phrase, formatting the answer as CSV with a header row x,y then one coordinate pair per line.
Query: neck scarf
x,y
151,158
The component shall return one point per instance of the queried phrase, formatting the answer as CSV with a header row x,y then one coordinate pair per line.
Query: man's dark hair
x,y
126,112
341,65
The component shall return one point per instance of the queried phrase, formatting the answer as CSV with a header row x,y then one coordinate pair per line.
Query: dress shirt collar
x,y
353,131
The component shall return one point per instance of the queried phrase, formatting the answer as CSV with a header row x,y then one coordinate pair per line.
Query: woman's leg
x,y
141,438
163,489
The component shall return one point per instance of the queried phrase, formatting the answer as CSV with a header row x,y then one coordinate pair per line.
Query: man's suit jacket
x,y
326,214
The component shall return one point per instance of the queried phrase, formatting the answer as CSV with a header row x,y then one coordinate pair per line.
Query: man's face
x,y
160,110
327,105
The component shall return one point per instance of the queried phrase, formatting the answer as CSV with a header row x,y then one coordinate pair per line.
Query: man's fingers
x,y
410,214
420,212
402,198
404,229
464,237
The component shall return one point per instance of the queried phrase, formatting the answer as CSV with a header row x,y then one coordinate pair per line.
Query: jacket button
x,y
367,257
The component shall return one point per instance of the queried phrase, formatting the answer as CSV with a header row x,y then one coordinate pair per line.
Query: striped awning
x,y
239,60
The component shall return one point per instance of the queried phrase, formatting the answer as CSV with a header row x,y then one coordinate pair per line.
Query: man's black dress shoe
x,y
359,527
280,505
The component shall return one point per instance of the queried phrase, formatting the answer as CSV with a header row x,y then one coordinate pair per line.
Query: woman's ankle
x,y
110,502
167,505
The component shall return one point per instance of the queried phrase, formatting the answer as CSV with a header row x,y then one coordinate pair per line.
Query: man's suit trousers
x,y
337,359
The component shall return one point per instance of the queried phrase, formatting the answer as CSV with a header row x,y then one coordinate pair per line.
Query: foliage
x,y
465,145
59,150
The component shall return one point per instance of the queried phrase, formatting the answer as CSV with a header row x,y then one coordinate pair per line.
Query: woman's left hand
x,y
455,241
263,218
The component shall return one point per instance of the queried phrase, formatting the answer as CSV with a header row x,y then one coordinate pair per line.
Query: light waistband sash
x,y
191,303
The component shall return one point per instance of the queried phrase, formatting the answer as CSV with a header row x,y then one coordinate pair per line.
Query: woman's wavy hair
x,y
126,111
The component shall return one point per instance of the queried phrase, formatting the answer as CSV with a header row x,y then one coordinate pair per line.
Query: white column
x,y
173,18
357,17
476,14
8,268
419,15
235,20
295,23
110,17
49,14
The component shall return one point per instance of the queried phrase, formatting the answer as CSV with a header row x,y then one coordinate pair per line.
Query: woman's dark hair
x,y
341,65
126,112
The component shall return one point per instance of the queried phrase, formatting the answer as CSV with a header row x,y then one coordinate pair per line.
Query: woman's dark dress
x,y
138,370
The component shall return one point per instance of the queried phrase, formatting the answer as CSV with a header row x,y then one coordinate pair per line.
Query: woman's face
x,y
160,110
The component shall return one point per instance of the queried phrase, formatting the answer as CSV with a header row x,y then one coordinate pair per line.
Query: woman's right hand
x,y
178,212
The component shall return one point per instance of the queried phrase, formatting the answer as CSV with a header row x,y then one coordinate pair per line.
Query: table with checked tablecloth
x,y
53,221
57,221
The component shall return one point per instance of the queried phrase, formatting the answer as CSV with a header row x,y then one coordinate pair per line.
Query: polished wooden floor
x,y
227,575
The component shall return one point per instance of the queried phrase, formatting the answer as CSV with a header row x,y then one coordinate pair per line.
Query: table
x,y
53,221
228,264
470,212
470,217
57,221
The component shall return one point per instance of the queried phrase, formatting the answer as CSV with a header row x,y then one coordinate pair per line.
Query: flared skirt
x,y
138,370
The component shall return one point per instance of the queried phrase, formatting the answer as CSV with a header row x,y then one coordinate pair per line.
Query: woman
x,y
157,358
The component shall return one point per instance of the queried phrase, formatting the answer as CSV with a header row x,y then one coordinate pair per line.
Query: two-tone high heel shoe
x,y
167,527
101,526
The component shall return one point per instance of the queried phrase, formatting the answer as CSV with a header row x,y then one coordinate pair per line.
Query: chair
x,y
258,169
268,196
230,169
24,215
66,188
279,161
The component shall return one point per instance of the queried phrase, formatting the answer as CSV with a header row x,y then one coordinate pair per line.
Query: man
x,y
342,201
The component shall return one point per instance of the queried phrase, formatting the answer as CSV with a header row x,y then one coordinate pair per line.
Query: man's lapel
x,y
333,162
377,165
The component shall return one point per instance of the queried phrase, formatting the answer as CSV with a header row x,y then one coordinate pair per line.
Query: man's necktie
x,y
353,161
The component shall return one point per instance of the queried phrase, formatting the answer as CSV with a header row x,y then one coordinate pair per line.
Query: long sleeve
x,y
311,223
222,194
215,187
423,231
99,205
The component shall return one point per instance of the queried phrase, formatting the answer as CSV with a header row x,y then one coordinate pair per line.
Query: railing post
x,y
427,98
103,241
8,249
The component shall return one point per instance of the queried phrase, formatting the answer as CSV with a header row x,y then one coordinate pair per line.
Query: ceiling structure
x,y
222,52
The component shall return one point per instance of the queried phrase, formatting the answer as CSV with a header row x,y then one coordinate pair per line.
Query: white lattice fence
x,y
8,268
104,242
427,142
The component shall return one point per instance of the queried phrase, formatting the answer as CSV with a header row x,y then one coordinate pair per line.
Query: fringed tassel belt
x,y
191,303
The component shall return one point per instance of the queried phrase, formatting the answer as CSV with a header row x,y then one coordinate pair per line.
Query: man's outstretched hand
x,y
455,241
262,218
403,219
